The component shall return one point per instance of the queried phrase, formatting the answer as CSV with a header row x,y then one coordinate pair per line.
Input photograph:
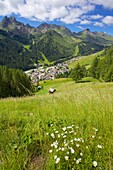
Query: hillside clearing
x,y
24,123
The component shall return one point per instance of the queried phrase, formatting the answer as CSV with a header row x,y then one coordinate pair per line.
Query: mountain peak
x,y
87,30
13,19
9,19
29,26
5,19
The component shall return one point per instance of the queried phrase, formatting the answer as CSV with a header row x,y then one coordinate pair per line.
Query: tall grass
x,y
25,123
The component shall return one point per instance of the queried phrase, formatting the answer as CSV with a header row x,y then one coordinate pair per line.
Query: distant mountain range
x,y
23,46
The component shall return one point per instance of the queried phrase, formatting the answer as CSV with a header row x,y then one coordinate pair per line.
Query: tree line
x,y
14,82
101,68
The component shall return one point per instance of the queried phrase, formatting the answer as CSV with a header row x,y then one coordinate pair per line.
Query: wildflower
x,y
72,150
47,133
65,141
99,146
75,139
52,145
65,132
66,158
77,145
55,157
52,135
96,130
57,160
64,128
86,147
69,127
77,161
82,140
81,154
65,144
56,132
71,141
95,164
93,136
55,146
64,136
51,124
79,139
58,135
62,149
71,132
77,127
50,151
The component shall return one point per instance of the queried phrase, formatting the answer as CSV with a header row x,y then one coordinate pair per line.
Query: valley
x,y
47,44
69,129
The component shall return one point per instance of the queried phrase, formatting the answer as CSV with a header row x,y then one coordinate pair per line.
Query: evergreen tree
x,y
14,82
94,69
77,73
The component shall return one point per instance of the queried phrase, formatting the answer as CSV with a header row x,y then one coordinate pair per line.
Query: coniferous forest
x,y
14,82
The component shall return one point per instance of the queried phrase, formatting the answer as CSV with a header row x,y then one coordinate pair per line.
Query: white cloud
x,y
108,20
95,17
100,24
80,27
10,6
68,11
104,3
85,22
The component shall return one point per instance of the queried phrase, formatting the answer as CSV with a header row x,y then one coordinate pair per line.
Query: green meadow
x,y
86,60
71,129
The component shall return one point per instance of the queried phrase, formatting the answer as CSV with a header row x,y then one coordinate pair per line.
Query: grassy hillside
x,y
77,118
86,60
14,55
54,46
96,37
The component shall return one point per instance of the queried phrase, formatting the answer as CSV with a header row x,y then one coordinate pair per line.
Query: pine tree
x,y
77,73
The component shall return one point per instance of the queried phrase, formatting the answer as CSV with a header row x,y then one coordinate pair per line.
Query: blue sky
x,y
77,15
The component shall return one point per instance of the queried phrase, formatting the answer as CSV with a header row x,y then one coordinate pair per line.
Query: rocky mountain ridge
x,y
45,44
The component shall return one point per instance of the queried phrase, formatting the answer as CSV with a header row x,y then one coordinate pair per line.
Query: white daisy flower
x,y
77,161
55,157
50,151
58,135
64,128
95,163
72,150
57,160
99,146
63,149
66,158
52,135
77,145
81,154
